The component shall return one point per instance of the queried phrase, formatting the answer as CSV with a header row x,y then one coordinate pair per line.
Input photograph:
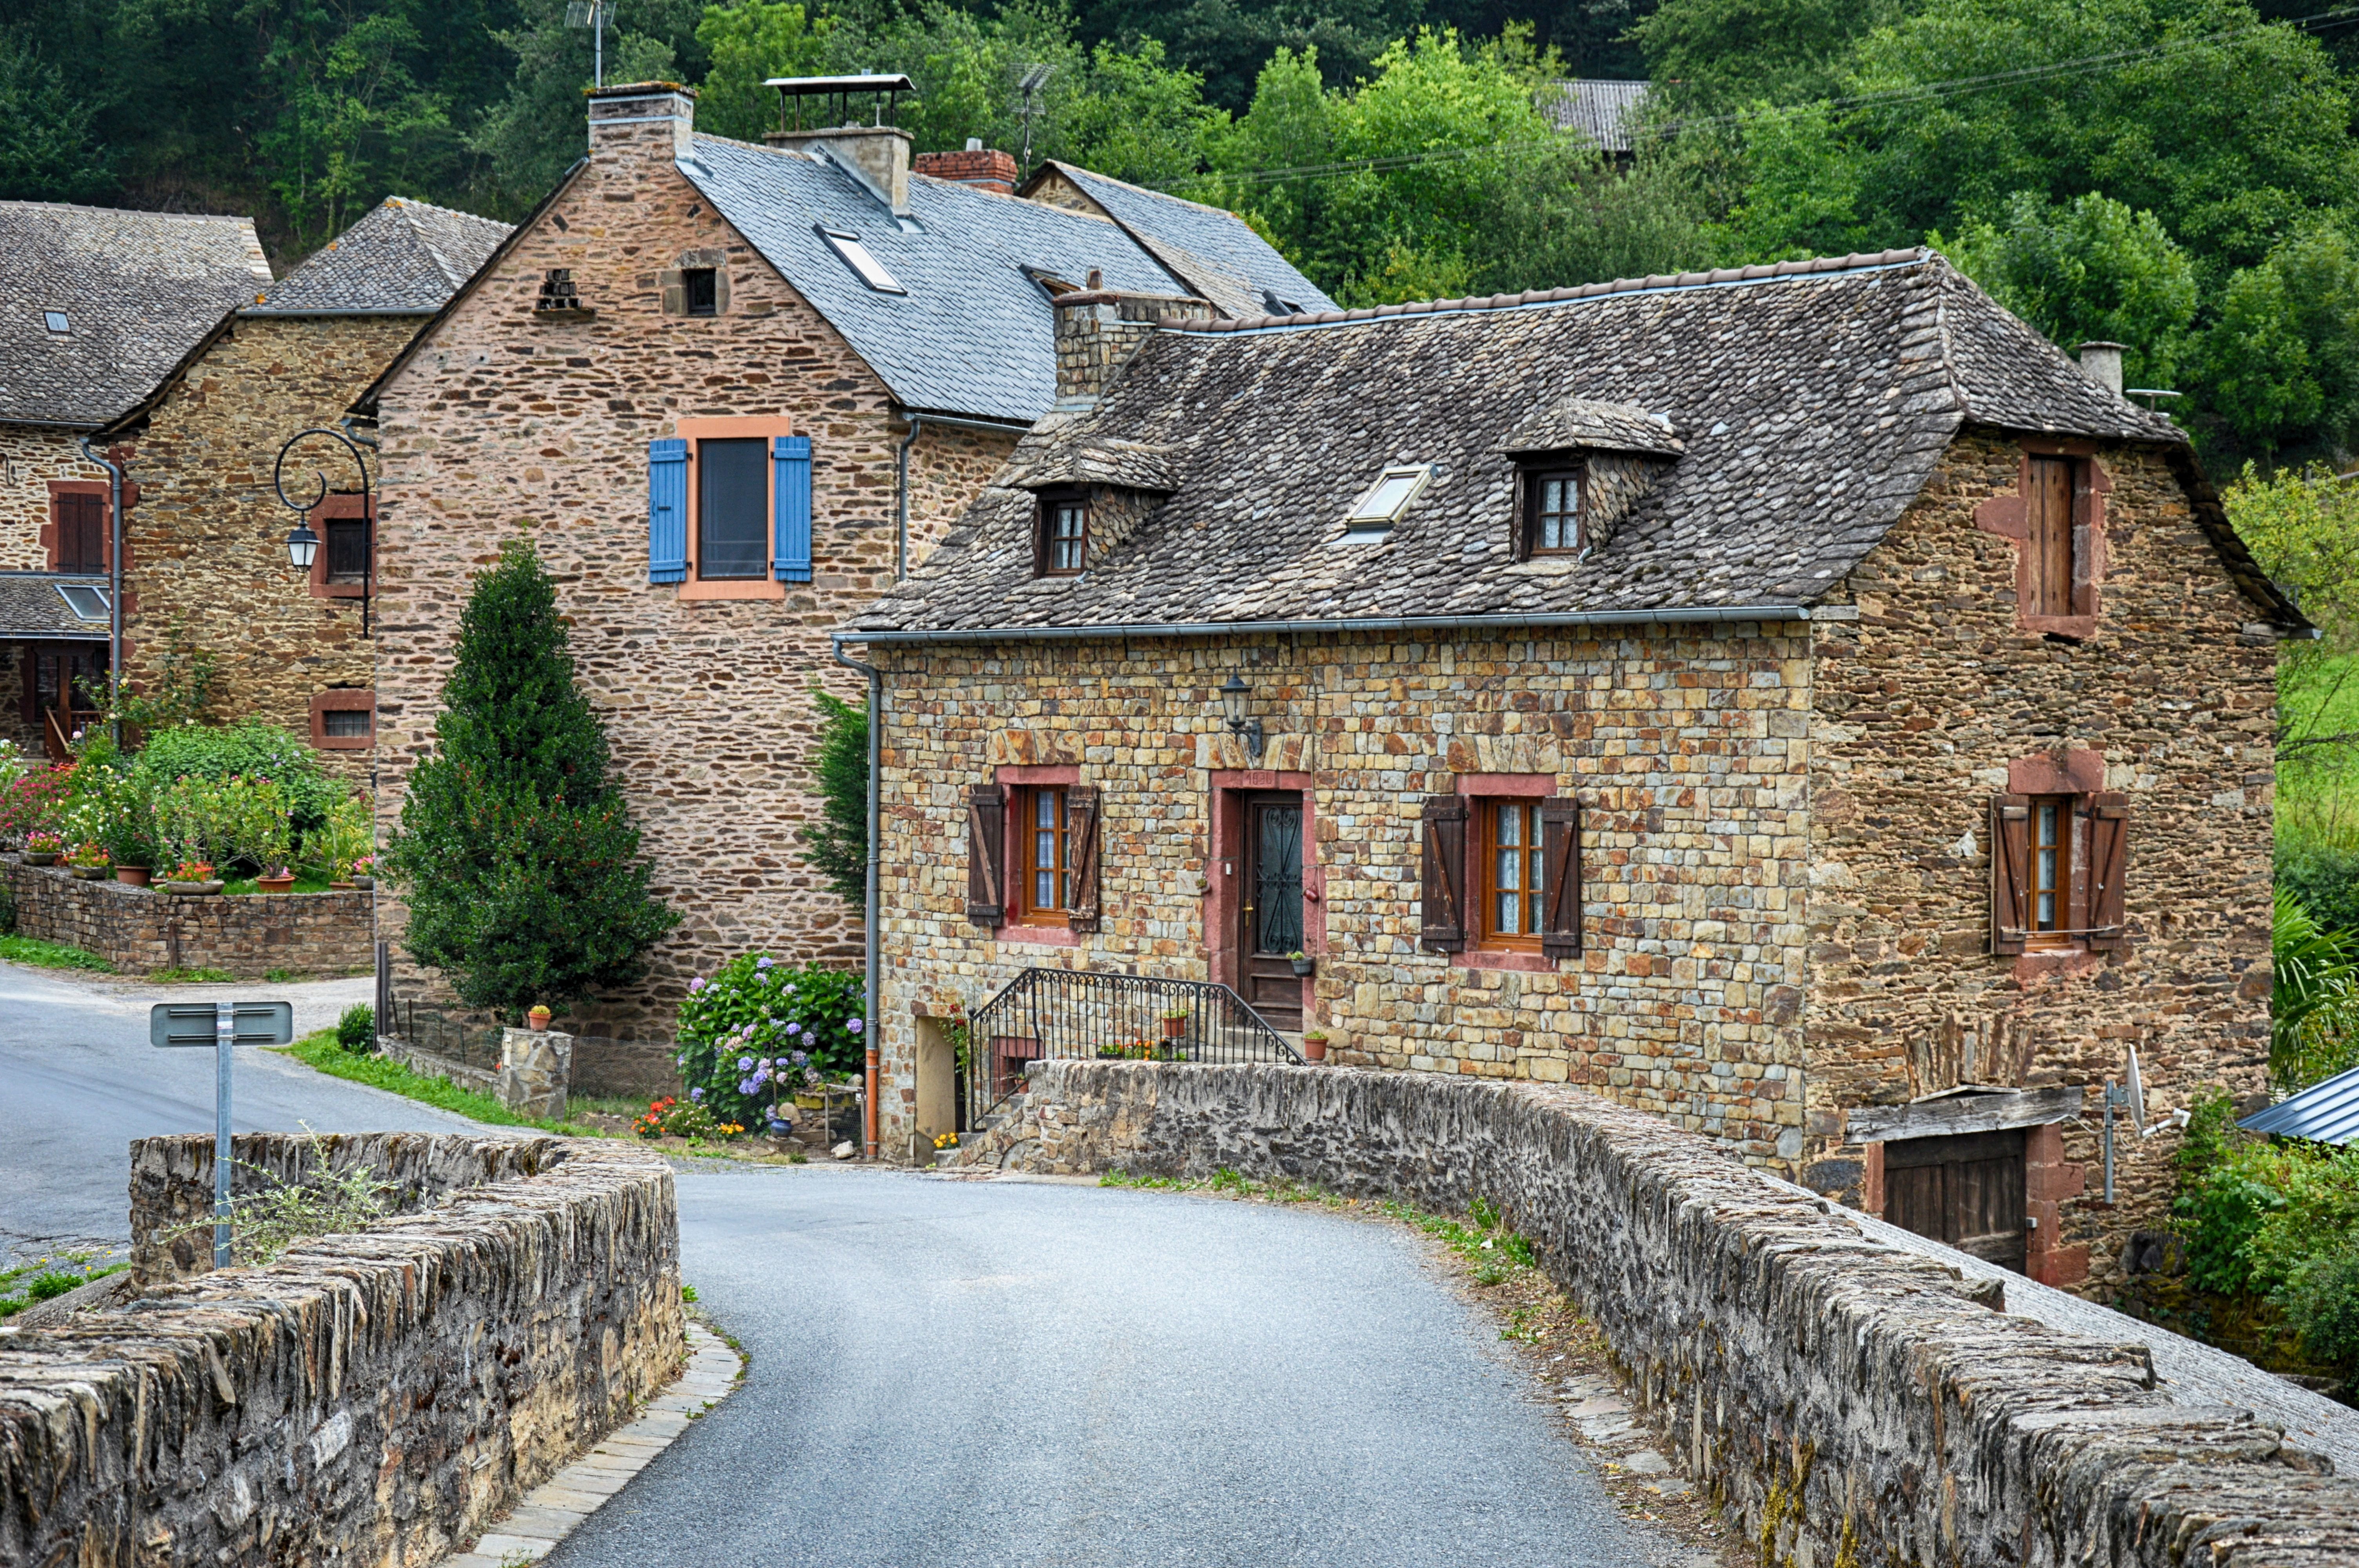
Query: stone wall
x,y
1923,707
30,456
510,425
140,930
370,1398
205,562
1843,1401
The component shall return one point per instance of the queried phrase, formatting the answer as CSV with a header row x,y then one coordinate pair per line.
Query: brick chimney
x,y
875,156
1099,329
643,119
2102,362
983,168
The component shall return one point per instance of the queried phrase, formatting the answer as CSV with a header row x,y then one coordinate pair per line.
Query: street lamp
x,y
301,546
302,543
1233,696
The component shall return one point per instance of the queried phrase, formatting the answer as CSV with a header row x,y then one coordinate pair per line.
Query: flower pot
x,y
136,875
363,883
91,873
340,887
779,1128
193,890
537,1018
1174,1027
1304,966
40,857
1314,1050
275,884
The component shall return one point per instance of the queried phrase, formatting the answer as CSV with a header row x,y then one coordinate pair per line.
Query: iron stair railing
x,y
1067,1014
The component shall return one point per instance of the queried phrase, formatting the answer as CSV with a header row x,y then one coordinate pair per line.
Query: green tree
x,y
748,43
2280,365
515,853
1716,56
539,127
837,844
48,144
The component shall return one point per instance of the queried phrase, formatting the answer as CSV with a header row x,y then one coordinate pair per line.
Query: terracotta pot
x,y
340,887
275,884
1314,1050
136,875
40,857
537,1018
1174,1027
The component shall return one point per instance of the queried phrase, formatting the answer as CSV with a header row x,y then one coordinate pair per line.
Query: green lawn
x,y
50,955
2317,788
320,1051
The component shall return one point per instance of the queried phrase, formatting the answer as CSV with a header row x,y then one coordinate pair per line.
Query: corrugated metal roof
x,y
1598,109
2325,1112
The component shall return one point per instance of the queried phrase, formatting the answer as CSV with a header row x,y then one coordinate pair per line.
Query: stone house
x,y
96,307
1796,701
729,392
206,569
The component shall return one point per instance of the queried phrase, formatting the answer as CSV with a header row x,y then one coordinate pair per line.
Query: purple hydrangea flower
x,y
797,1058
854,1025
764,1063
696,985
761,963
696,1094
745,1064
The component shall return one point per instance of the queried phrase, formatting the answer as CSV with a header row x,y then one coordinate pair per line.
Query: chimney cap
x,y
974,144
806,86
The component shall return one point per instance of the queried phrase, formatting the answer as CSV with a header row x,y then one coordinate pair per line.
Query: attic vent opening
x,y
866,267
703,293
55,320
1382,506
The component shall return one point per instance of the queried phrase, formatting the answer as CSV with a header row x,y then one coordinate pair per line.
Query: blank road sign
x,y
194,1023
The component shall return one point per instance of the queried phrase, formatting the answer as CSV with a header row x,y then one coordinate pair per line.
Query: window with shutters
x,y
1044,866
729,508
1500,872
1063,547
2056,517
2050,512
77,528
1032,871
1509,908
733,506
2058,872
339,568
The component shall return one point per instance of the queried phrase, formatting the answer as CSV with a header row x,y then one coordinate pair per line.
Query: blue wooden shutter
x,y
791,480
667,511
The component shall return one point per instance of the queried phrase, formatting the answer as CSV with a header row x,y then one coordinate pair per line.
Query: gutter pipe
x,y
115,591
1707,614
875,853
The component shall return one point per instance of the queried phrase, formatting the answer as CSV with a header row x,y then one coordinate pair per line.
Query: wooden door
x,y
1966,1191
1269,916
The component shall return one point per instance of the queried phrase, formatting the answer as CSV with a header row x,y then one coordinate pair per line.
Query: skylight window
x,y
1383,505
55,320
88,603
867,268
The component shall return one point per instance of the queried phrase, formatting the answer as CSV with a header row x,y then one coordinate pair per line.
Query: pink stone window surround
x,y
2077,774
339,508
695,431
1046,934
2005,516
1505,787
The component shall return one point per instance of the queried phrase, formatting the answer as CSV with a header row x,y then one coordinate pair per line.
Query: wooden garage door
x,y
1966,1191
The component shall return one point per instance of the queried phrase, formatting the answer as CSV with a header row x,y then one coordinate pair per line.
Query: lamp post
x,y
1233,696
302,543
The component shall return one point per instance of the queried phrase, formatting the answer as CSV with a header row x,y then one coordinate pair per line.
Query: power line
x,y
2114,60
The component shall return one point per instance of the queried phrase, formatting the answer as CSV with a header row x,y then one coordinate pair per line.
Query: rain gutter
x,y
1702,614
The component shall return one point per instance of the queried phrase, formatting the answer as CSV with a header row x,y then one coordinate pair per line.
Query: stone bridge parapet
x,y
1845,1402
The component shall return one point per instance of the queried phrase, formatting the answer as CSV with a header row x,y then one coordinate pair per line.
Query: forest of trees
x,y
2179,175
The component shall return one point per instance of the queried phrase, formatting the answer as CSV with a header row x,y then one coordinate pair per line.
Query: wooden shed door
x,y
1966,1191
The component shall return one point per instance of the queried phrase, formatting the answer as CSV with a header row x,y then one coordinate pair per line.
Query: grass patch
x,y
192,976
47,1278
51,954
321,1053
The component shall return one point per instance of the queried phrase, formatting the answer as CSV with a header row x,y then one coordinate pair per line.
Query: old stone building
x,y
1797,701
206,571
97,308
728,391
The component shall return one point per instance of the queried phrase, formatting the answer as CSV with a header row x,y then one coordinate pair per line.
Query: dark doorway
x,y
1966,1191
1269,916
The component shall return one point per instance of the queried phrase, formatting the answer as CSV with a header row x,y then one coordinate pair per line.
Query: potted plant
x,y
1175,1023
43,847
364,870
191,879
87,860
133,876
1303,962
780,1125
538,1017
1314,1045
278,880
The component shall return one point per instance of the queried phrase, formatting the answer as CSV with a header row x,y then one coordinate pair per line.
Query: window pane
x,y
1068,534
1386,499
733,499
345,722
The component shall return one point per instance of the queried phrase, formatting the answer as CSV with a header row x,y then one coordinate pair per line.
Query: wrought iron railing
x,y
1064,1014
431,1028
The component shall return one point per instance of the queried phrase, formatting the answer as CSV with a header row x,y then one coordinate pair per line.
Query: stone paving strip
x,y
554,1509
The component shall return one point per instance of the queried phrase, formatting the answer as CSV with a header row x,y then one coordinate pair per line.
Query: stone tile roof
x,y
1600,427
137,290
973,335
1194,239
402,258
31,606
1599,109
1812,401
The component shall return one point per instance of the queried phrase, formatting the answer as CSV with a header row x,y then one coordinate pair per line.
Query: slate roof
x,y
403,258
1211,250
1811,399
138,290
31,606
973,335
1599,109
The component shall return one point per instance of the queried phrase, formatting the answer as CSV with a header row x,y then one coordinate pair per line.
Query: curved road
x,y
987,1373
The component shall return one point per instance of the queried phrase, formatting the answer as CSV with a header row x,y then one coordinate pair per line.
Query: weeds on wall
x,y
322,1201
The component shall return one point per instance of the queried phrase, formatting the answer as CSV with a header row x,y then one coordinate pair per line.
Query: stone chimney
x,y
2102,362
643,119
875,156
981,168
1099,329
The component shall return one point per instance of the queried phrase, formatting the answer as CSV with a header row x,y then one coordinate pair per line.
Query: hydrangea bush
x,y
759,1030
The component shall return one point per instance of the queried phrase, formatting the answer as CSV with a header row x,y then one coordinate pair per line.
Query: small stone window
x,y
701,289
1063,547
344,719
696,284
1552,512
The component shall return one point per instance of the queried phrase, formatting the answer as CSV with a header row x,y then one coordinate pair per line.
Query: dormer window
x,y
1552,512
1064,542
703,289
1385,500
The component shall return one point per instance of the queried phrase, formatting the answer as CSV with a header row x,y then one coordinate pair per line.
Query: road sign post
x,y
222,1026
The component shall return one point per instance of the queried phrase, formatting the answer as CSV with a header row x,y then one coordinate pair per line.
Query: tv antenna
x,y
1035,77
591,13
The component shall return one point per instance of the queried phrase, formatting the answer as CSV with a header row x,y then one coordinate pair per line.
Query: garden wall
x,y
139,930
1846,1403
374,1398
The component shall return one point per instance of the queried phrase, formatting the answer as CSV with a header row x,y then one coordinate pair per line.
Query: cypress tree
x,y
517,855
837,844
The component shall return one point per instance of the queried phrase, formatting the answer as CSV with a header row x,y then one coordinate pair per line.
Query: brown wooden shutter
x,y
986,855
2047,535
1444,898
1560,866
2109,844
1082,858
1521,550
2010,872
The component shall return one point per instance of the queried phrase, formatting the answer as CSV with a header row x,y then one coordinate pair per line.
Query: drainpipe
x,y
115,589
901,491
876,854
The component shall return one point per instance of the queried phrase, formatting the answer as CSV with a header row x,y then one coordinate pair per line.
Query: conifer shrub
x,y
516,854
837,844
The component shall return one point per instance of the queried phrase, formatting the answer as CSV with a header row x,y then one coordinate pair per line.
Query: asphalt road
x,y
79,1081
987,1373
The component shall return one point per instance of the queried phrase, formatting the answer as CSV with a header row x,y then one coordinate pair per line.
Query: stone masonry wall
x,y
140,930
31,456
1685,746
370,1398
1843,1403
1919,707
206,564
508,427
